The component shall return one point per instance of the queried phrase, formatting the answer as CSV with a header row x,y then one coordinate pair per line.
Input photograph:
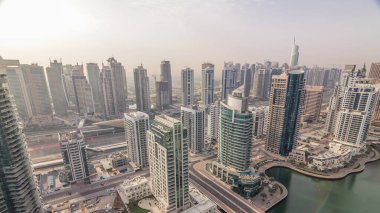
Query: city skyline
x,y
182,25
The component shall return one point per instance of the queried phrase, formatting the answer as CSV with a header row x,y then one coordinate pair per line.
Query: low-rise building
x,y
118,160
200,203
331,159
299,155
134,189
245,183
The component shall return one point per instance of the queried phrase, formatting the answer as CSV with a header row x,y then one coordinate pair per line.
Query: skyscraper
x,y
354,117
18,191
259,117
187,82
162,95
142,89
35,82
93,74
74,154
193,119
374,71
168,163
294,55
113,88
166,75
229,80
207,83
248,75
312,103
286,99
136,125
83,101
213,122
56,84
347,78
69,71
17,87
261,84
235,131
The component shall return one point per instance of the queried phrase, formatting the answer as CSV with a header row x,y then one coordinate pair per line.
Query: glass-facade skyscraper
x,y
286,99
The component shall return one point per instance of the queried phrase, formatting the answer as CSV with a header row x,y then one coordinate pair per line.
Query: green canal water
x,y
356,193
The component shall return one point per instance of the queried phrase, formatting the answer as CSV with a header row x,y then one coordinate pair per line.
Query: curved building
x,y
18,189
235,131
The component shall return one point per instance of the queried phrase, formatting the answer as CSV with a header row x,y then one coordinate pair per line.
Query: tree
x,y
263,195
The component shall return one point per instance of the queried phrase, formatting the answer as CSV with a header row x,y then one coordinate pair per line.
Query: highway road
x,y
81,189
221,195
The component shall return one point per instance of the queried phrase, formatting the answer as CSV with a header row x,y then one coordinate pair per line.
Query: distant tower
x,y
93,74
235,131
142,89
193,119
83,96
113,87
136,124
168,163
286,99
213,122
294,55
187,81
207,83
261,84
166,75
229,80
162,95
57,87
18,191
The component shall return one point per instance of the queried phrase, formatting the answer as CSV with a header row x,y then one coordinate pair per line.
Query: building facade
x,y
162,95
168,163
261,84
213,122
187,82
235,132
142,89
84,101
312,103
193,119
285,102
17,87
18,191
34,76
136,125
355,116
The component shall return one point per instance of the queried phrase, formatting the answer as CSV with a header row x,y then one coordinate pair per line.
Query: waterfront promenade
x,y
359,166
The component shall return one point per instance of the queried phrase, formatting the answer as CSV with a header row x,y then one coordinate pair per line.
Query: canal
x,y
355,193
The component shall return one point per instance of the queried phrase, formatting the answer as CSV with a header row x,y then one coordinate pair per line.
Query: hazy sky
x,y
188,32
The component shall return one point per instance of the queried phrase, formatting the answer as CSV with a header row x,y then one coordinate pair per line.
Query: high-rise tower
x,y
294,55
166,75
113,88
168,163
235,131
207,83
286,99
57,87
229,80
187,82
142,89
18,188
193,119
136,125
93,74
